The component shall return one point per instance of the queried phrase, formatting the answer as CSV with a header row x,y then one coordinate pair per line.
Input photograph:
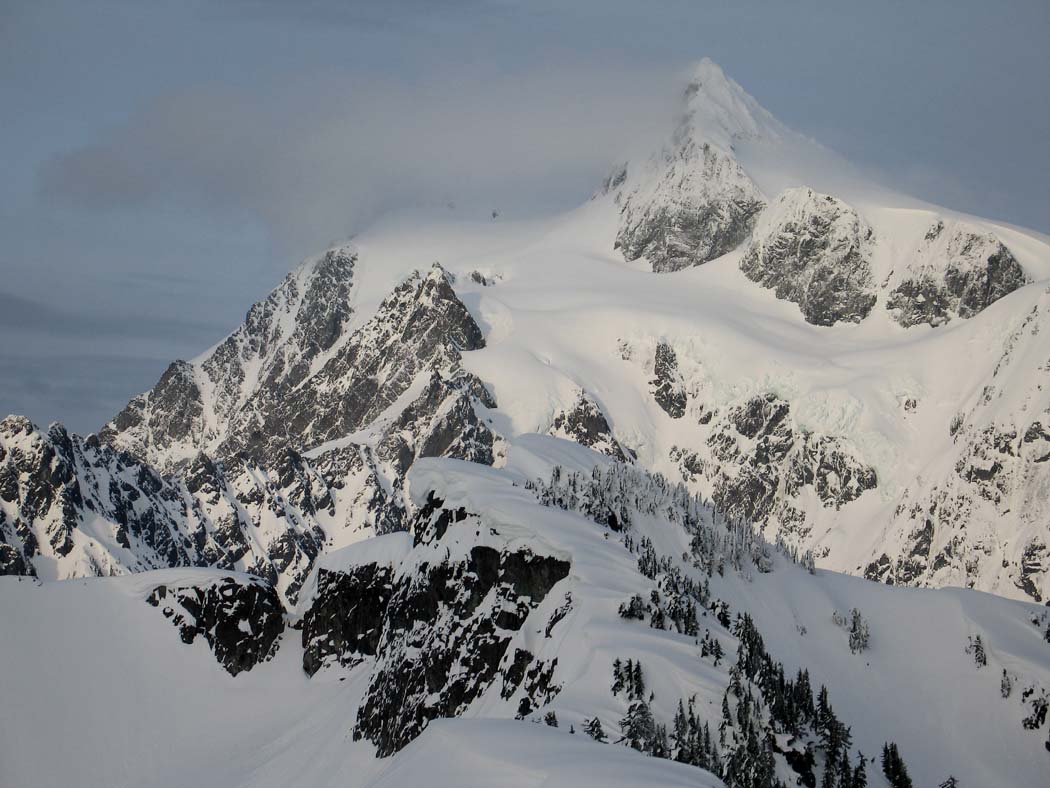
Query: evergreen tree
x,y
637,681
690,625
638,727
617,686
978,652
858,632
860,773
716,651
1006,685
659,746
551,719
893,767
680,735
845,776
593,728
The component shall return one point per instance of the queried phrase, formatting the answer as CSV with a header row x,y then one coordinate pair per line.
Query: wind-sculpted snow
x,y
814,250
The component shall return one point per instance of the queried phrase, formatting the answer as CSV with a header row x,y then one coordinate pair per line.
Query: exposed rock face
x,y
956,271
53,485
80,507
813,250
255,367
667,387
949,530
693,202
231,433
345,619
457,601
441,422
585,424
241,620
760,462
419,329
292,376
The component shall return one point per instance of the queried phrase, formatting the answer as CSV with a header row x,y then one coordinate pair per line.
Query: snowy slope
x,y
164,713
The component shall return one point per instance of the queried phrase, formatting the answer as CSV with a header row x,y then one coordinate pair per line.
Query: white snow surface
x,y
101,691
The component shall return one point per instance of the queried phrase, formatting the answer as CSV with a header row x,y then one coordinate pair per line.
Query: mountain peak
x,y
717,109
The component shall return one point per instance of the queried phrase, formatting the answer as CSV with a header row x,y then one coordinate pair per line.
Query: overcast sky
x,y
164,164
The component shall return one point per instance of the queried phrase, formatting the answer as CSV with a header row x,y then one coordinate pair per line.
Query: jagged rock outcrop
x,y
292,376
82,507
195,404
343,618
457,601
813,249
241,619
72,507
230,433
693,202
760,461
948,530
956,271
441,422
421,328
584,423
667,386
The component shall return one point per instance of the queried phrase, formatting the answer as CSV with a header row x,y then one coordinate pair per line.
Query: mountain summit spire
x,y
717,109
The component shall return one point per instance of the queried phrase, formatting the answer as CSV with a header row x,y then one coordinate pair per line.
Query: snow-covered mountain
x,y
597,598
469,487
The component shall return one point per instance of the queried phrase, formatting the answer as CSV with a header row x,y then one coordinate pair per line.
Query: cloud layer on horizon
x,y
168,163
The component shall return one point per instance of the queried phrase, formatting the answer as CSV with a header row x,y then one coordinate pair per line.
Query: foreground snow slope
x,y
106,694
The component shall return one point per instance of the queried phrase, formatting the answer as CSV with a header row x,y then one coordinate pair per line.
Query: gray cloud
x,y
167,163
316,158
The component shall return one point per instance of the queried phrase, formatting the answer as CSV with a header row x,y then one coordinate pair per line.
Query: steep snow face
x,y
956,271
814,250
982,509
693,202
